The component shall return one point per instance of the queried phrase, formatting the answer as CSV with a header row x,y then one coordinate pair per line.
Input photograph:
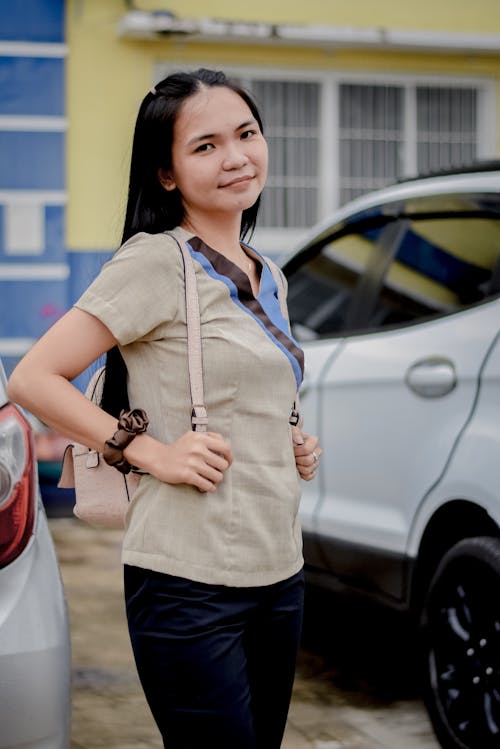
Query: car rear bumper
x,y
35,655
35,698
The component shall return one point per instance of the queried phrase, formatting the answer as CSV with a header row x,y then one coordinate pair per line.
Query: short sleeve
x,y
138,289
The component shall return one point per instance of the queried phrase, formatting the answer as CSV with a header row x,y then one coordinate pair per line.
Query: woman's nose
x,y
234,157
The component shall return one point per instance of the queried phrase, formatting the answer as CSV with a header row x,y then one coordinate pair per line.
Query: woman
x,y
212,550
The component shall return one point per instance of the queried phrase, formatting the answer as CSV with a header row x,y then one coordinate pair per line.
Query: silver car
x,y
35,658
396,299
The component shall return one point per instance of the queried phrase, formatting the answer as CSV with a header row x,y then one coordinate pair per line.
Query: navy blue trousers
x,y
216,663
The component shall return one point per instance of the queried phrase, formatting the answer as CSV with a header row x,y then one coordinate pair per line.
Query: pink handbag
x,y
103,494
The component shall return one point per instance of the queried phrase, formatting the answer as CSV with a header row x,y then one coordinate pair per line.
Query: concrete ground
x,y
354,689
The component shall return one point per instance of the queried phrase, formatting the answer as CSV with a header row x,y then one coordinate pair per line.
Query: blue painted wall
x,y
31,85
32,20
32,159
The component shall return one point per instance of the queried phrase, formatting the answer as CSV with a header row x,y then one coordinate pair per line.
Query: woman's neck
x,y
224,237
221,233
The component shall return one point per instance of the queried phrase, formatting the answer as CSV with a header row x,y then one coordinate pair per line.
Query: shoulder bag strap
x,y
295,418
199,418
281,288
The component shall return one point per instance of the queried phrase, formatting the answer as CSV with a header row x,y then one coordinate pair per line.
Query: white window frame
x,y
279,239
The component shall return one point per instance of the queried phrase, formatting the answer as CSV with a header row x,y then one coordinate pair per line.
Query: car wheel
x,y
461,639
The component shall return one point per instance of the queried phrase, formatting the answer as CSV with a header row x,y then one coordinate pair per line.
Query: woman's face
x,y
219,155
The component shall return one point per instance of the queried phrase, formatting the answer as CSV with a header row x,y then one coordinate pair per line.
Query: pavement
x,y
355,686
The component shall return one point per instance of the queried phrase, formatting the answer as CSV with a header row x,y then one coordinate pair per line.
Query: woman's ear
x,y
166,180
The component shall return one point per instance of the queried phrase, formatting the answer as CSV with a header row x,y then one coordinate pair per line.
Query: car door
x,y
393,399
322,282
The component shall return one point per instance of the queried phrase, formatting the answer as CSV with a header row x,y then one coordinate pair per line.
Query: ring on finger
x,y
315,457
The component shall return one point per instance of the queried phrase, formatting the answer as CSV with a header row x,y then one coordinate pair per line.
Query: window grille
x,y
291,118
446,127
375,127
371,137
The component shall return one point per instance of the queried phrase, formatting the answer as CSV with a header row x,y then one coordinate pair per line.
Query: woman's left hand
x,y
307,453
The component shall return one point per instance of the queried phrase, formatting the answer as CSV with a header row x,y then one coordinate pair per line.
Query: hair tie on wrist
x,y
130,424
134,421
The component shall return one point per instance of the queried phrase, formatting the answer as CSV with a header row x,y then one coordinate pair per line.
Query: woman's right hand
x,y
196,458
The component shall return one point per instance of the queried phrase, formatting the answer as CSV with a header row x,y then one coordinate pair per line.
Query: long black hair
x,y
151,208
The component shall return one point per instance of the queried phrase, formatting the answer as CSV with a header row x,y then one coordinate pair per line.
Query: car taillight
x,y
17,484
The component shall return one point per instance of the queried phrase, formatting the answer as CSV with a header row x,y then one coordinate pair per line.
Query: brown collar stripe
x,y
265,308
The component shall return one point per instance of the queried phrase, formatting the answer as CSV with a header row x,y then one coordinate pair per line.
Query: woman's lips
x,y
238,181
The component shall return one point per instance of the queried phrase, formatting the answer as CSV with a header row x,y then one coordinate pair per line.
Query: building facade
x,y
33,270
354,95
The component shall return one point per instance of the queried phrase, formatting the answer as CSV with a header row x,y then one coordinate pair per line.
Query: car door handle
x,y
432,377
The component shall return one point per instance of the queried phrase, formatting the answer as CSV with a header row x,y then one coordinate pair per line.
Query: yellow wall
x,y
107,78
449,15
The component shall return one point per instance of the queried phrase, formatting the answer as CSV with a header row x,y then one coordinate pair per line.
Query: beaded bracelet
x,y
130,424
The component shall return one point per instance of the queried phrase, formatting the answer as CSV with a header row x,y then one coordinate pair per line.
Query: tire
x,y
460,630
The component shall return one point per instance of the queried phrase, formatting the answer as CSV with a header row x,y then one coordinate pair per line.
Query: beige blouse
x,y
247,533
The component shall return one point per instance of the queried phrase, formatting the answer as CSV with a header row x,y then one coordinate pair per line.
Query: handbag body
x,y
102,494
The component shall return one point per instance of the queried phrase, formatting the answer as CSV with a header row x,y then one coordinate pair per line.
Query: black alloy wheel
x,y
461,639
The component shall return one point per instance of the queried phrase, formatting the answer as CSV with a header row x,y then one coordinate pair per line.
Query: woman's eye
x,y
204,147
247,134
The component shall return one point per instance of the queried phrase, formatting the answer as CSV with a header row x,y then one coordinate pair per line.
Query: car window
x,y
442,264
396,263
321,290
